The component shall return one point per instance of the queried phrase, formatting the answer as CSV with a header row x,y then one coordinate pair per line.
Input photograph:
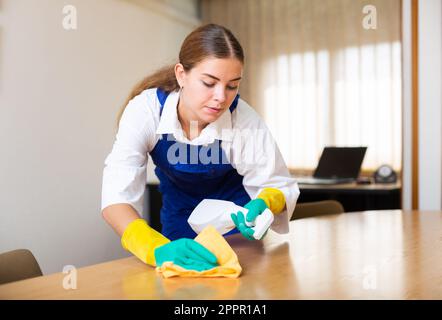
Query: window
x,y
349,97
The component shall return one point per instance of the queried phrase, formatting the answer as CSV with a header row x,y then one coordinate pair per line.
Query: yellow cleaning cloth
x,y
211,239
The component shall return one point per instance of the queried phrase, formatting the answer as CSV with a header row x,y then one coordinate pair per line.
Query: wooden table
x,y
364,255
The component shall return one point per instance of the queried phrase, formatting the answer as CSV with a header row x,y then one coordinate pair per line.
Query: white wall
x,y
407,103
430,104
60,92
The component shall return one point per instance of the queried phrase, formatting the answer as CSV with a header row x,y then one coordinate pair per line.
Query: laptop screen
x,y
340,162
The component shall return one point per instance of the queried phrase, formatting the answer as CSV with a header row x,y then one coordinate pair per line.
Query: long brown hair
x,y
210,40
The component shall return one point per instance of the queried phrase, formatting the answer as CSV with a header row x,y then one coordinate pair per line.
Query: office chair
x,y
316,208
18,265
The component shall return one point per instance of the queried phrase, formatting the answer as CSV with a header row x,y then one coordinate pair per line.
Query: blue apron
x,y
186,183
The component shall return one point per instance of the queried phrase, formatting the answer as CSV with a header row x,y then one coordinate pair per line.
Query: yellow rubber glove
x,y
274,199
142,240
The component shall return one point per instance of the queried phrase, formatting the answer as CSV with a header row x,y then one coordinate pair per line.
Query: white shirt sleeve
x,y
255,155
125,171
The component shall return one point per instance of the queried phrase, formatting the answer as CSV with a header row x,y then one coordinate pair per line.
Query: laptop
x,y
337,165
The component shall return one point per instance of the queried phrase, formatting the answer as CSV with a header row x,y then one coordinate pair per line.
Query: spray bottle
x,y
217,213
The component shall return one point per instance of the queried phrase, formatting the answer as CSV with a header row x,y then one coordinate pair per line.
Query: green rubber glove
x,y
186,253
255,207
240,224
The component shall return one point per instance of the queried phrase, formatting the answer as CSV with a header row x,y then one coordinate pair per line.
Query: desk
x,y
355,197
363,255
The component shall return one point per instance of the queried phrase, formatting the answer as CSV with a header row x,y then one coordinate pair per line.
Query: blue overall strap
x,y
234,103
162,96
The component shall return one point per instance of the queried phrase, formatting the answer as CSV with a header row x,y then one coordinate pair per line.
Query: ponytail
x,y
163,78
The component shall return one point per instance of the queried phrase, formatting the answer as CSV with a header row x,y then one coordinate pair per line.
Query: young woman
x,y
206,143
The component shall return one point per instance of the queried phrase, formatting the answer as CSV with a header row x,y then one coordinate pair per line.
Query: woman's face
x,y
209,88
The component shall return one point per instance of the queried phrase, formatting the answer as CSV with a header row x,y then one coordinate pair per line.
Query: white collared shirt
x,y
245,138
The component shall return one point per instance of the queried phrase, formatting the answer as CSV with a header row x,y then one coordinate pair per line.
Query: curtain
x,y
318,76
